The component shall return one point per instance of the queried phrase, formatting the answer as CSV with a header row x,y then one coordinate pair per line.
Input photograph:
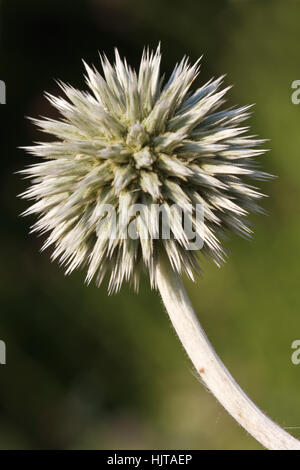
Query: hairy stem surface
x,y
212,371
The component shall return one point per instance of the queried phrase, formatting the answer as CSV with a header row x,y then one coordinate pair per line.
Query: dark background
x,y
85,370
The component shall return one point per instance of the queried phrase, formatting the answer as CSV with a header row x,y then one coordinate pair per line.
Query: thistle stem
x,y
212,371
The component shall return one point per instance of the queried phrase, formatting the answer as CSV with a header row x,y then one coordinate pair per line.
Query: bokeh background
x,y
88,371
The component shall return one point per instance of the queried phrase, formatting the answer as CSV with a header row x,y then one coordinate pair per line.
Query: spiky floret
x,y
133,139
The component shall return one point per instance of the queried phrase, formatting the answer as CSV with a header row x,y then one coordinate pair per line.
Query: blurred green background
x,y
88,371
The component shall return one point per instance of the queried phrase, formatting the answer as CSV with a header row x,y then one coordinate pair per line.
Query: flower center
x,y
144,158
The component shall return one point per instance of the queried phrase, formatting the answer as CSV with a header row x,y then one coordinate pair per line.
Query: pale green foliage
x,y
137,140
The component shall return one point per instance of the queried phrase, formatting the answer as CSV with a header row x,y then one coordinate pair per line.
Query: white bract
x,y
134,140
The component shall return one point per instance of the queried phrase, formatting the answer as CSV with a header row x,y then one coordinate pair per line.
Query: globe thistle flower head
x,y
133,139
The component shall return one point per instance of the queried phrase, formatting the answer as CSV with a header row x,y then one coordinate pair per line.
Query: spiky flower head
x,y
134,139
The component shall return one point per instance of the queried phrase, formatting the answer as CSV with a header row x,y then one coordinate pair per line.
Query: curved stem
x,y
211,369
